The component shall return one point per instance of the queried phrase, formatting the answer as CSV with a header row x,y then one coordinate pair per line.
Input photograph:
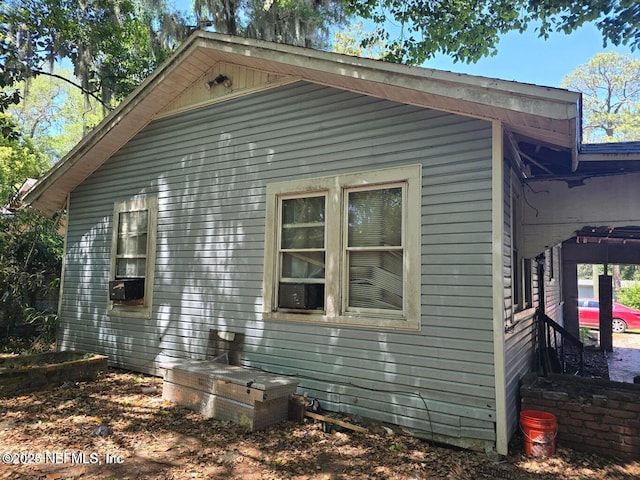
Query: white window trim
x,y
552,264
521,274
348,310
334,188
150,204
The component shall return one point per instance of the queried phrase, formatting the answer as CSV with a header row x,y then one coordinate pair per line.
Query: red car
x,y
623,317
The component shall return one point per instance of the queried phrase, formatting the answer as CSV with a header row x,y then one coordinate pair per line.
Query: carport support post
x,y
605,295
570,292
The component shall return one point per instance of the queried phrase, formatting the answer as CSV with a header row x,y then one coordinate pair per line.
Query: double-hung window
x,y
301,256
133,257
374,249
345,249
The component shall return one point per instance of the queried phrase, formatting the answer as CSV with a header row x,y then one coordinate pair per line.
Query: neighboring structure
x,y
15,202
369,228
588,288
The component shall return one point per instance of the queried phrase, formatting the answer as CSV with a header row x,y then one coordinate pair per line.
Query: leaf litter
x,y
113,428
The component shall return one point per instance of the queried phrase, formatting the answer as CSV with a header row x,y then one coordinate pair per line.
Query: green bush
x,y
30,263
630,296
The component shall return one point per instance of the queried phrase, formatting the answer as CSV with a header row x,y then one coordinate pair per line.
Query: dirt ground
x,y
624,361
118,427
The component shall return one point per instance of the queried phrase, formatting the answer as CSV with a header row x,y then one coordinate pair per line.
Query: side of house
x,y
356,224
520,294
215,185
529,284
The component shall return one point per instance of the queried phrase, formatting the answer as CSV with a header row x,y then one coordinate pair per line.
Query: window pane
x,y
132,245
133,222
375,218
132,242
302,237
375,280
303,223
130,267
303,265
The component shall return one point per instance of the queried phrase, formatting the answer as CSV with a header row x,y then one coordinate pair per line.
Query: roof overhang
x,y
610,152
539,115
597,160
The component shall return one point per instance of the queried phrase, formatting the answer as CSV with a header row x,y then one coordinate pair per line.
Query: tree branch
x,y
87,92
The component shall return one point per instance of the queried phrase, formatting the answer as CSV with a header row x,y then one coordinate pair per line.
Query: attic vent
x,y
219,80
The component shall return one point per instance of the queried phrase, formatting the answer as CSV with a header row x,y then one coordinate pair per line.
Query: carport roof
x,y
593,160
536,118
592,234
609,158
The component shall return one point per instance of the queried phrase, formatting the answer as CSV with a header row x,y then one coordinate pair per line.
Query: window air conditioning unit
x,y
126,289
303,296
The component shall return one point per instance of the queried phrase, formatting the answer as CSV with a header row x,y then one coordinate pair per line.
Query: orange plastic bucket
x,y
539,431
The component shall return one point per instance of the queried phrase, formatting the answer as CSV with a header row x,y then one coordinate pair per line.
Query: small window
x,y
132,244
527,284
133,257
552,263
302,253
521,269
345,249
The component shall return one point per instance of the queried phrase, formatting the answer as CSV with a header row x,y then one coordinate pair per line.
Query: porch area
x,y
589,389
559,351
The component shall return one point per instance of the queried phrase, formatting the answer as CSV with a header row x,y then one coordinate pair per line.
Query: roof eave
x,y
90,141
525,106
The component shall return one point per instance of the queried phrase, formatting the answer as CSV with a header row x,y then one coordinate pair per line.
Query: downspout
x,y
497,256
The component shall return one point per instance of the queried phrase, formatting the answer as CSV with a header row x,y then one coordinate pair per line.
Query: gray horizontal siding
x,y
519,350
209,169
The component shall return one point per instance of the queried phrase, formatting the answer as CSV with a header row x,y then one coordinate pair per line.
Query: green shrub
x,y
30,263
630,296
584,334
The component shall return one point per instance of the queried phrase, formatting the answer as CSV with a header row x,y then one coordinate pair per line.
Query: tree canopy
x,y
303,23
112,45
37,34
610,86
19,160
54,116
468,30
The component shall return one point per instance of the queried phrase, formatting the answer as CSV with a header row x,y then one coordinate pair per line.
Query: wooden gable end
x,y
222,82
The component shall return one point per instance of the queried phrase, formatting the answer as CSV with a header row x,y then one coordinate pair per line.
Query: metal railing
x,y
559,351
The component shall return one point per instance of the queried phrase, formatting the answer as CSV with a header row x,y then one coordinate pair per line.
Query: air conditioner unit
x,y
126,289
302,296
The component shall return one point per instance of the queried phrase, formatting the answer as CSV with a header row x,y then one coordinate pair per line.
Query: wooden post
x,y
570,292
605,291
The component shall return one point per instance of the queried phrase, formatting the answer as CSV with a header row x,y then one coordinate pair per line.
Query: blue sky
x,y
529,59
